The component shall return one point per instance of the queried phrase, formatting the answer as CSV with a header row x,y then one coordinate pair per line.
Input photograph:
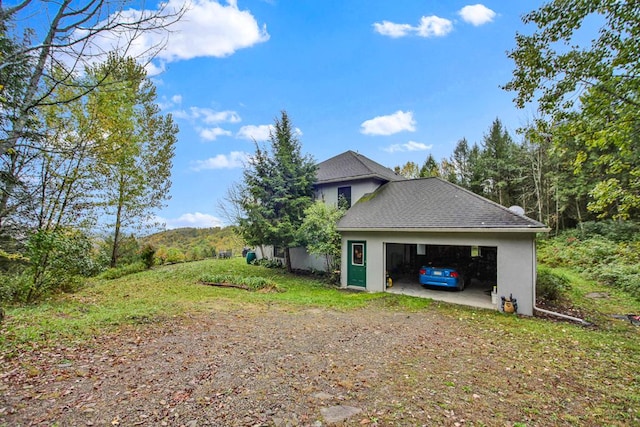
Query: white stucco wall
x,y
515,258
329,192
300,258
303,260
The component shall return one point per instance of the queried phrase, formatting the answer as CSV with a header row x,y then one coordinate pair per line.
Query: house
x,y
404,223
397,225
349,176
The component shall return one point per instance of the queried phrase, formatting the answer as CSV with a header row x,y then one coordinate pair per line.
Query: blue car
x,y
448,278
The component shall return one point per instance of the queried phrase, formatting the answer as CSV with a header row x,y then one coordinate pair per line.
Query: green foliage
x,y
588,86
277,188
617,231
57,261
147,254
128,249
269,263
409,170
429,167
611,262
125,270
174,255
254,283
134,146
14,287
625,277
319,232
551,286
195,243
502,168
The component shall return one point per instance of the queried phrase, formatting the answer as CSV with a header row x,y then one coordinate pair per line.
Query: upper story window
x,y
344,197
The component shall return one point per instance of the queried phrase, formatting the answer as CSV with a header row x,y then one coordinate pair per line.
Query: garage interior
x,y
476,264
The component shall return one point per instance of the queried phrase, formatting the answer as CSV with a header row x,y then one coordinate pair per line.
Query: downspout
x,y
542,310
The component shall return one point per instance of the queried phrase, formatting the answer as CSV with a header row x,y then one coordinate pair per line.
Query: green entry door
x,y
357,265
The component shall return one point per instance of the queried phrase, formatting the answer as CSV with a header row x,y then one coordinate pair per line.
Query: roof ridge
x,y
358,157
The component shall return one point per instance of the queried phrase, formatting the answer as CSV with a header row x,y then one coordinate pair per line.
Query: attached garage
x,y
406,225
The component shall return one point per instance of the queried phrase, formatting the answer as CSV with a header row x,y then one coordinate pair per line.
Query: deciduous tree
x,y
319,232
586,79
133,146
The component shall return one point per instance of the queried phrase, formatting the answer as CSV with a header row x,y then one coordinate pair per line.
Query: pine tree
x,y
277,188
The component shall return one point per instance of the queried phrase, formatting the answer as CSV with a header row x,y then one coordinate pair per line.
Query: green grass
x,y
151,296
164,292
603,358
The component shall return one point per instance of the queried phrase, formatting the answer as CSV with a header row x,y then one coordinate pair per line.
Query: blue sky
x,y
395,81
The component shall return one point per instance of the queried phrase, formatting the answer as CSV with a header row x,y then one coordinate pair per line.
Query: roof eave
x,y
451,229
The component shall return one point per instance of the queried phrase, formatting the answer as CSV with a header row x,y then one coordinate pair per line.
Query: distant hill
x,y
204,240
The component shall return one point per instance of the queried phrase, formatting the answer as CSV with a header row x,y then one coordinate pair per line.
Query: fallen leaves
x,y
254,367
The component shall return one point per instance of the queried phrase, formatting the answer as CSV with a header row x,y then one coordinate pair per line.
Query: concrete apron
x,y
475,295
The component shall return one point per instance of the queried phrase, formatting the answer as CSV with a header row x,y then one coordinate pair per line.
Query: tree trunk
x,y
287,259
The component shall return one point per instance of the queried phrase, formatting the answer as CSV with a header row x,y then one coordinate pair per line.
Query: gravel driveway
x,y
272,365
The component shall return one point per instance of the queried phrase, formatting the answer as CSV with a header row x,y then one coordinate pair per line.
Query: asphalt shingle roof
x,y
350,166
431,203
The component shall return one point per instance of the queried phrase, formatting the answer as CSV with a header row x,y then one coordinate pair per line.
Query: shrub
x,y
14,288
551,286
125,270
57,261
625,277
252,283
269,263
174,255
147,254
616,231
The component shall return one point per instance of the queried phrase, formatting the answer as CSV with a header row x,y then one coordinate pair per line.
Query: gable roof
x,y
350,166
431,204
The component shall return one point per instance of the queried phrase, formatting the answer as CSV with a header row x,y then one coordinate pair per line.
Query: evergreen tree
x,y
501,161
278,187
460,163
430,167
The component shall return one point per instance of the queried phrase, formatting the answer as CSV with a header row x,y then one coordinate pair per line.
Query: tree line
x,y
532,174
578,160
84,148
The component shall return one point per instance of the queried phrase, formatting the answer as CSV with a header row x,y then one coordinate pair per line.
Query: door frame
x,y
357,263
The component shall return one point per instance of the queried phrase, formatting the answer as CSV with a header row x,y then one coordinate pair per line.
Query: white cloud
x,y
476,14
235,159
388,125
210,134
409,146
434,26
208,116
211,29
207,29
166,104
255,133
197,220
391,29
430,26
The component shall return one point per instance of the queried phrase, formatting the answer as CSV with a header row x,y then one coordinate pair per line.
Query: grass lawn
x,y
604,357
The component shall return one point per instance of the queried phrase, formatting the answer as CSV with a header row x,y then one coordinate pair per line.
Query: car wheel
x,y
461,284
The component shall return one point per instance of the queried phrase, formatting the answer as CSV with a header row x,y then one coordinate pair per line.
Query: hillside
x,y
208,241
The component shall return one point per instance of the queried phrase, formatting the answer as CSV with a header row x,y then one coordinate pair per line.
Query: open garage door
x,y
475,268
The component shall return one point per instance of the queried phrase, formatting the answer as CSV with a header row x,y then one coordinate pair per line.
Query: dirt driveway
x,y
286,367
